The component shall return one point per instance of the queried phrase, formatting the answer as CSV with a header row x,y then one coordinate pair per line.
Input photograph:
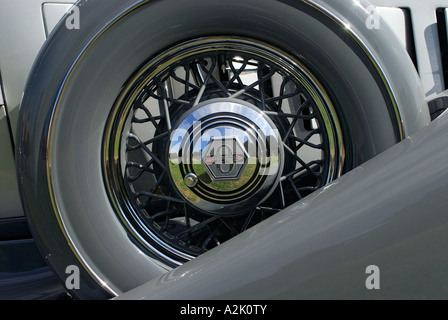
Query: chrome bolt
x,y
190,180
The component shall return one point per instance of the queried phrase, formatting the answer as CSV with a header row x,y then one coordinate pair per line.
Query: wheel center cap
x,y
225,156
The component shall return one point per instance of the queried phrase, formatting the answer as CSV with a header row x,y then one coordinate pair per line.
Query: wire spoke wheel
x,y
213,136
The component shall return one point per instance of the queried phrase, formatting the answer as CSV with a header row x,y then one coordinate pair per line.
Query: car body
x,y
351,215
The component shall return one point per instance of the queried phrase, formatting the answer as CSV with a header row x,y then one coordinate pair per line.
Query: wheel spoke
x,y
158,196
253,85
237,73
196,227
248,220
294,121
148,151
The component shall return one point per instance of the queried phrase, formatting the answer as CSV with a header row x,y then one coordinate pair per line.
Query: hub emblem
x,y
225,158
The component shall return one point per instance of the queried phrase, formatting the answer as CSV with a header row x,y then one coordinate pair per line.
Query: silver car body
x,y
24,27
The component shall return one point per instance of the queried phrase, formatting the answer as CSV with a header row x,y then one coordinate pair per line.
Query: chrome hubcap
x,y
232,149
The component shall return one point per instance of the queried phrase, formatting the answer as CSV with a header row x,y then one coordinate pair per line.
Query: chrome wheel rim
x,y
213,136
